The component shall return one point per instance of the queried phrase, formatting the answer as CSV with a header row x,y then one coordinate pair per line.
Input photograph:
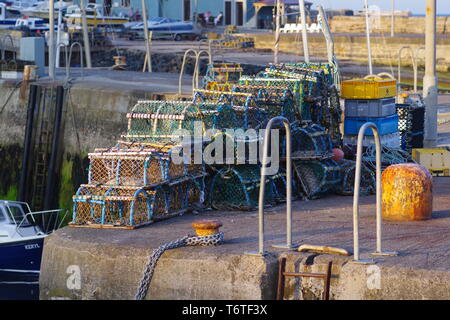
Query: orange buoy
x,y
338,154
407,192
206,227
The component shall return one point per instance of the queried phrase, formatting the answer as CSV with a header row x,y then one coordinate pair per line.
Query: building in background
x,y
235,12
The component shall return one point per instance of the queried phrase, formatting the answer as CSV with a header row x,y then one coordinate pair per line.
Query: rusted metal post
x,y
281,270
326,291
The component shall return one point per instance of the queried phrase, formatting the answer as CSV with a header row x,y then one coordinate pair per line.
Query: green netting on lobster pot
x,y
157,121
347,185
317,177
237,188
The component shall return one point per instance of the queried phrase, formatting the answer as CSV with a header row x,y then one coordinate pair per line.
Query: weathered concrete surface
x,y
111,261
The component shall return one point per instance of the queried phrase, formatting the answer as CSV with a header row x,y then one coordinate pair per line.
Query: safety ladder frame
x,y
288,244
378,251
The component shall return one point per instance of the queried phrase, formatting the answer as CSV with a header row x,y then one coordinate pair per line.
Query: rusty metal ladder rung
x,y
282,274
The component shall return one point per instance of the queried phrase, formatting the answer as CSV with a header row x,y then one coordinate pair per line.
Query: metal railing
x,y
288,244
70,59
45,227
378,251
195,75
3,46
414,56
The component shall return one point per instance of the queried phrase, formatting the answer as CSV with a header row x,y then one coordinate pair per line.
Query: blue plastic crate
x,y
385,125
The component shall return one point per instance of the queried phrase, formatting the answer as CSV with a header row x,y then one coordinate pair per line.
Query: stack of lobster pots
x,y
371,99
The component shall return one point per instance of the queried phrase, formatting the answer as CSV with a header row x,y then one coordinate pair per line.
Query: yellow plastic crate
x,y
437,161
368,88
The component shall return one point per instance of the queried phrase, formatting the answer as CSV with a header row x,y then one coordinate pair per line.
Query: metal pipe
x,y
147,42
51,39
87,45
411,53
197,63
393,19
287,126
70,59
182,70
58,34
430,80
304,33
49,196
378,251
369,49
327,34
277,33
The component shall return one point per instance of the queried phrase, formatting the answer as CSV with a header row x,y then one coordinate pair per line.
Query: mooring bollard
x,y
401,202
378,251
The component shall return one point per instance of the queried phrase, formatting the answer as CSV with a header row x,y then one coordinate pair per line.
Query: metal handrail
x,y
416,67
182,70
411,53
7,36
81,59
62,44
378,251
288,245
197,62
32,214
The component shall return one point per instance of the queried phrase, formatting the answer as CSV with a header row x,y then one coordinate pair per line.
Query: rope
x,y
143,286
10,95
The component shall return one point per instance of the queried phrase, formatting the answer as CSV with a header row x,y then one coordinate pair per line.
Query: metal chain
x,y
214,239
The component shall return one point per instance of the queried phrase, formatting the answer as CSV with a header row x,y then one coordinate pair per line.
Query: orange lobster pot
x,y
407,192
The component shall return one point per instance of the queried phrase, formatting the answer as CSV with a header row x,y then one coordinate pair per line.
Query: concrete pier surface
x,y
109,263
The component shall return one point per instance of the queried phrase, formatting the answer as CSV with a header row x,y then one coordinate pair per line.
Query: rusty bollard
x,y
206,227
407,192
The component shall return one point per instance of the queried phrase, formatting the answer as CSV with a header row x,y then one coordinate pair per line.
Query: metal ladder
x,y
42,150
288,244
378,251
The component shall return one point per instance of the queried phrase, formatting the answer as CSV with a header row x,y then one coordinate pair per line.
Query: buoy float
x,y
407,192
338,154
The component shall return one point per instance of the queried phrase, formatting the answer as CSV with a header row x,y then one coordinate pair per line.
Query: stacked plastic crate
x,y
370,100
411,116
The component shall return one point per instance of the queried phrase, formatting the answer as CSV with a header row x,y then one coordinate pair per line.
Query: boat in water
x,y
22,234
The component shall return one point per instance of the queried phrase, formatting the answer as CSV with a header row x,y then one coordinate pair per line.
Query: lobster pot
x,y
275,101
296,87
234,110
347,185
114,168
137,168
162,121
184,195
237,188
221,76
126,207
317,177
309,142
329,70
